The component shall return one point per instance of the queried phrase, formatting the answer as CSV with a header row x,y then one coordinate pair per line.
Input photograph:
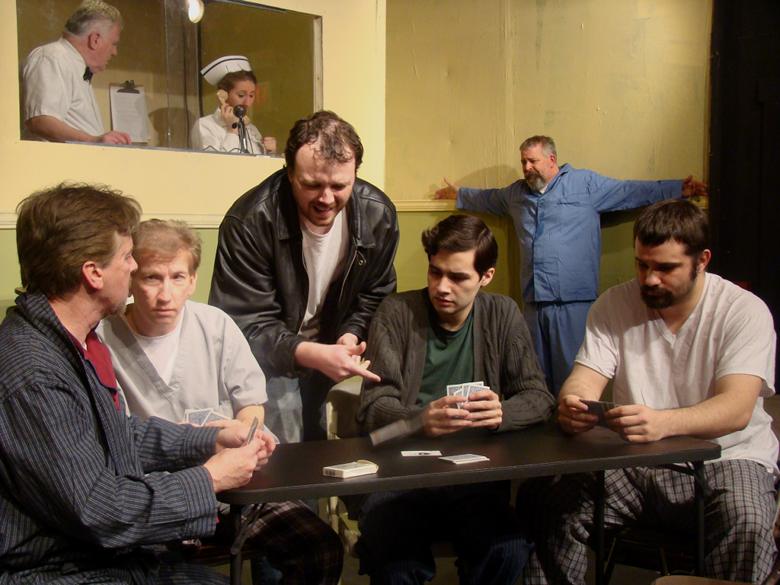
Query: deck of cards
x,y
465,390
464,458
201,416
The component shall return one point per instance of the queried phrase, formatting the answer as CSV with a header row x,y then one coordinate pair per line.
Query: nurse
x,y
236,86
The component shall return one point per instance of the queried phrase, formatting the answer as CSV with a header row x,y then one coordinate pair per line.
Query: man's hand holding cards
x,y
465,390
576,415
465,405
599,408
483,406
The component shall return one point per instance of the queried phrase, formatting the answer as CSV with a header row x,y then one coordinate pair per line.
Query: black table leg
x,y
236,562
598,526
698,487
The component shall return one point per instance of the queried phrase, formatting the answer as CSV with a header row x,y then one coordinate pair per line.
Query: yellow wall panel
x,y
201,186
621,85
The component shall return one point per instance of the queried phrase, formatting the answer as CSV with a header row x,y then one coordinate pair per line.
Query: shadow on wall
x,y
485,178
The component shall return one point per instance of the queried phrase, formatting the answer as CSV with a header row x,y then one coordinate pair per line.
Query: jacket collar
x,y
36,309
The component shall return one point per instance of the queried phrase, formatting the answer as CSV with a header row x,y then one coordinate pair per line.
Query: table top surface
x,y
295,469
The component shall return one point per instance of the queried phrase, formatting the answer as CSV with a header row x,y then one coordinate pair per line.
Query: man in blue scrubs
x,y
556,212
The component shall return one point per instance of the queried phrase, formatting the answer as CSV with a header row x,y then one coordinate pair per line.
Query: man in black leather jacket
x,y
303,261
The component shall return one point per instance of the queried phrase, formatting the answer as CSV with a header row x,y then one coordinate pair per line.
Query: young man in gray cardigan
x,y
419,343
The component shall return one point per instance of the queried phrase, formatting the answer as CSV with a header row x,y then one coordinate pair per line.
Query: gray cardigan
x,y
503,357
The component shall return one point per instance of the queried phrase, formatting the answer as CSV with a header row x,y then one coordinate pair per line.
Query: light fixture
x,y
195,10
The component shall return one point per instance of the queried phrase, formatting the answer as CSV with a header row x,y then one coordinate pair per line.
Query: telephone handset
x,y
222,96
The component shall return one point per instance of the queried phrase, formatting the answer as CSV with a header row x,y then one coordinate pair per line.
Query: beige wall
x,y
621,85
201,186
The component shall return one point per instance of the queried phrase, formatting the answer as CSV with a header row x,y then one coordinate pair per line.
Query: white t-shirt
x,y
162,350
54,85
322,255
729,332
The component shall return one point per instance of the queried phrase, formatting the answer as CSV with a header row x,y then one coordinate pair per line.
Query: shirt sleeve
x,y
608,194
381,402
61,469
748,342
494,201
380,282
244,286
46,91
244,380
599,349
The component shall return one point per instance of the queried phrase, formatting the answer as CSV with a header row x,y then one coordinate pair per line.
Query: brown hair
x,y
461,233
338,140
674,219
164,238
229,80
61,228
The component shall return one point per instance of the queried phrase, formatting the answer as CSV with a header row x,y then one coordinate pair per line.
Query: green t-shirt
x,y
449,358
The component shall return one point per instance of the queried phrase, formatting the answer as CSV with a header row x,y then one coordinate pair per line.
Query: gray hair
x,y
548,144
91,14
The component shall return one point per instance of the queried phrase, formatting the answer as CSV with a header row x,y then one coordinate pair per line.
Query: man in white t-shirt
x,y
171,354
303,261
689,353
59,104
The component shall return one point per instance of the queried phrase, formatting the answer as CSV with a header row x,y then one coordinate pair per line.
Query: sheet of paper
x,y
129,113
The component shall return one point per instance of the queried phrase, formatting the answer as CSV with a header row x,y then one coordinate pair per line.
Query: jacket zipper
x,y
349,269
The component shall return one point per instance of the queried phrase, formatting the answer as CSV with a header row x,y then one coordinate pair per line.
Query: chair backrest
x,y
341,408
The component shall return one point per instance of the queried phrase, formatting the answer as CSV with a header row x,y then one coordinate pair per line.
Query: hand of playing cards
x,y
461,408
202,416
465,390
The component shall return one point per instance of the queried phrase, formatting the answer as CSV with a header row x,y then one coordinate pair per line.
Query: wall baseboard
x,y
212,220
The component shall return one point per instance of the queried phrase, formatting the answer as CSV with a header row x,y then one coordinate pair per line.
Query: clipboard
x,y
128,110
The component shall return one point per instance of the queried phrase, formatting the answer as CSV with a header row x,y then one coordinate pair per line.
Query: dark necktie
x,y
87,74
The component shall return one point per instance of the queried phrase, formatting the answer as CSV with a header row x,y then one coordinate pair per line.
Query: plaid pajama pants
x,y
296,542
739,515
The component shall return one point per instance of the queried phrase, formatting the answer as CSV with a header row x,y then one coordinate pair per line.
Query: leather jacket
x,y
260,279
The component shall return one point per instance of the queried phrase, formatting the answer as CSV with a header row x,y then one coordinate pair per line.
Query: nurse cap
x,y
218,68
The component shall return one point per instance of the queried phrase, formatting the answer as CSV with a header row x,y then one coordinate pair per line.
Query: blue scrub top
x,y
560,230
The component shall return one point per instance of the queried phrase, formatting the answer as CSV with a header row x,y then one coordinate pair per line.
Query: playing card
x,y
454,389
474,387
465,390
214,415
435,453
197,416
599,408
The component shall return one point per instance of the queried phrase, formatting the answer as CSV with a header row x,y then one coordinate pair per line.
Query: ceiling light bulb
x,y
195,10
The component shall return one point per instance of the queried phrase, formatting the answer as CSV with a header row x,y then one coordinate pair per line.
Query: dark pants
x,y
397,530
